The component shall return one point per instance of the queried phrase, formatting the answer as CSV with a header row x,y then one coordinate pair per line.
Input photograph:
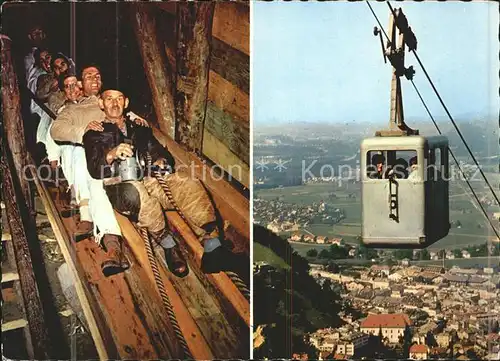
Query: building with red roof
x,y
391,326
419,352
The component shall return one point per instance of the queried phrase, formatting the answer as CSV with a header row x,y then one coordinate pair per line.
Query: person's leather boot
x,y
116,261
222,259
176,262
70,211
83,230
70,206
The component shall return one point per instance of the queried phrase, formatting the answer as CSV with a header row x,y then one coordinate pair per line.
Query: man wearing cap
x,y
143,200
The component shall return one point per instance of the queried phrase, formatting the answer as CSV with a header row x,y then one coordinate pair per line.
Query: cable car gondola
x,y
404,188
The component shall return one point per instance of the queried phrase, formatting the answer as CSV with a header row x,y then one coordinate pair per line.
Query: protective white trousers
x,y
101,210
43,127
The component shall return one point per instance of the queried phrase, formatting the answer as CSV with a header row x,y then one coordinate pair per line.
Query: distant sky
x,y
319,61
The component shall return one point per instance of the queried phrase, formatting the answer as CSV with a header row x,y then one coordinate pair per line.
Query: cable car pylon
x,y
394,51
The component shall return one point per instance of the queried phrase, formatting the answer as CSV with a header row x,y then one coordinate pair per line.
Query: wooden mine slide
x,y
125,313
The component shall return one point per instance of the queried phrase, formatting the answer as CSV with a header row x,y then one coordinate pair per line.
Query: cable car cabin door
x,y
437,192
394,194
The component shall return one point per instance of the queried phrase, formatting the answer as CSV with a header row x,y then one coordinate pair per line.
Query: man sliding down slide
x,y
116,147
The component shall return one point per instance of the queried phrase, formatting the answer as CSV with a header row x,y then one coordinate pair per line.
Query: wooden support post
x,y
13,122
156,66
31,297
194,34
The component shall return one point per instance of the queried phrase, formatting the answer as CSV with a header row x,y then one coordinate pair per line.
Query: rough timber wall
x,y
226,132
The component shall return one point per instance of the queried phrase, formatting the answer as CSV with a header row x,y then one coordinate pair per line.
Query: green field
x,y
474,228
302,248
463,262
264,254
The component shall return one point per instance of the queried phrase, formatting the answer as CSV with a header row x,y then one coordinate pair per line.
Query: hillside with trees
x,y
288,302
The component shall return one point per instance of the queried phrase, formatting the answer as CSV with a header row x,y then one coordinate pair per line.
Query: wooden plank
x,y
138,328
156,66
233,133
194,31
216,327
232,205
219,153
97,327
15,294
220,280
228,97
196,342
33,307
150,310
232,25
9,277
231,64
115,301
14,325
134,333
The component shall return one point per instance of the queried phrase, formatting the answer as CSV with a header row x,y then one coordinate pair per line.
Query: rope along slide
x,y
238,282
163,293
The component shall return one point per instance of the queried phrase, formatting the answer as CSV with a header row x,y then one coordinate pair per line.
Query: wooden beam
x,y
231,64
232,25
217,326
220,154
30,294
207,331
156,66
194,32
231,204
234,133
149,309
196,342
228,98
220,280
12,119
167,27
